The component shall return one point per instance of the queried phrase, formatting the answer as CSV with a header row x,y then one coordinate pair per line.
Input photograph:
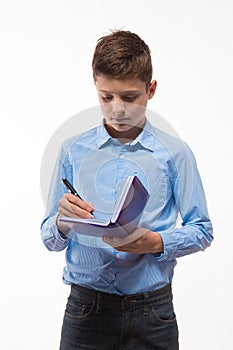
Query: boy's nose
x,y
118,108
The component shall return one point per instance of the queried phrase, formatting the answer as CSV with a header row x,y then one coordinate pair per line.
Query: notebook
x,y
130,203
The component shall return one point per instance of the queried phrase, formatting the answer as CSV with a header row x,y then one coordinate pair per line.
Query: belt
x,y
116,301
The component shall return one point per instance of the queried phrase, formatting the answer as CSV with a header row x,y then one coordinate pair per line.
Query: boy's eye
x,y
128,98
107,98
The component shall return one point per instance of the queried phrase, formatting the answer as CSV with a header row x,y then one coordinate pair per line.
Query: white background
x,y
45,78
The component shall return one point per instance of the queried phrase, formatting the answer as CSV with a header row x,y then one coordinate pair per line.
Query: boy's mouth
x,y
120,120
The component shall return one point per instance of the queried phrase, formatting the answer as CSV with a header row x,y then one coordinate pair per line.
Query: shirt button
x,y
118,256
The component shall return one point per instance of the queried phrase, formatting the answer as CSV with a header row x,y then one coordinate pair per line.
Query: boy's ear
x,y
152,88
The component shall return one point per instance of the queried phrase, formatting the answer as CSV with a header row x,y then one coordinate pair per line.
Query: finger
x,y
71,207
138,233
127,249
109,240
66,212
126,241
79,202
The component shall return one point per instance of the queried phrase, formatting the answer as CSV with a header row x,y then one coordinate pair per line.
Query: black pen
x,y
72,190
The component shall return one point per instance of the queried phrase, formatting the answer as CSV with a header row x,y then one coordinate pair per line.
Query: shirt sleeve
x,y
51,237
196,232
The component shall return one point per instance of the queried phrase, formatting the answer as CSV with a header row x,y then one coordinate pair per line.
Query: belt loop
x,y
98,303
146,309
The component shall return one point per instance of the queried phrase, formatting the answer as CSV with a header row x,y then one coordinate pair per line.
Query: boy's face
x,y
123,102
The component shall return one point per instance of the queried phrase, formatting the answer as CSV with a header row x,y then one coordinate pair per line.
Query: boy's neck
x,y
124,136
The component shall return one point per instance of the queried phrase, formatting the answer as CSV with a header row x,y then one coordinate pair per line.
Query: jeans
x,y
100,321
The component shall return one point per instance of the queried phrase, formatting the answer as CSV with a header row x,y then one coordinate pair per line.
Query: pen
x,y
72,190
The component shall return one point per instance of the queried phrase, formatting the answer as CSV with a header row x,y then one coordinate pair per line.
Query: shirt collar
x,y
102,136
145,138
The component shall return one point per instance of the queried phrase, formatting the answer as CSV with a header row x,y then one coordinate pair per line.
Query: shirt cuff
x,y
170,247
53,238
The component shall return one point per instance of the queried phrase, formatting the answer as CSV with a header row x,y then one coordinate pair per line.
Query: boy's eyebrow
x,y
122,92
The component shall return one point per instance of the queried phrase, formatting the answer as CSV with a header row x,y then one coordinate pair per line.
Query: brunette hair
x,y
122,55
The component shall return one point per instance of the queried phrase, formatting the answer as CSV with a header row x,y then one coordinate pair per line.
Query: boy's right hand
x,y
73,206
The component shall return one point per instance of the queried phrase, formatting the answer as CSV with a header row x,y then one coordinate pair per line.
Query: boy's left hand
x,y
141,241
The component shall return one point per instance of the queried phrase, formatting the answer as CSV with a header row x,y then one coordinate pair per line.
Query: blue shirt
x,y
95,164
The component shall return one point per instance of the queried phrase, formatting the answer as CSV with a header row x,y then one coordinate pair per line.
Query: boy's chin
x,y
121,127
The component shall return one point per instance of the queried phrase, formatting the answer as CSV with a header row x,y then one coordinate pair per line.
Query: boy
x,y
121,296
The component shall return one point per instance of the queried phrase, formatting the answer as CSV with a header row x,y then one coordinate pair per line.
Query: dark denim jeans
x,y
101,321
